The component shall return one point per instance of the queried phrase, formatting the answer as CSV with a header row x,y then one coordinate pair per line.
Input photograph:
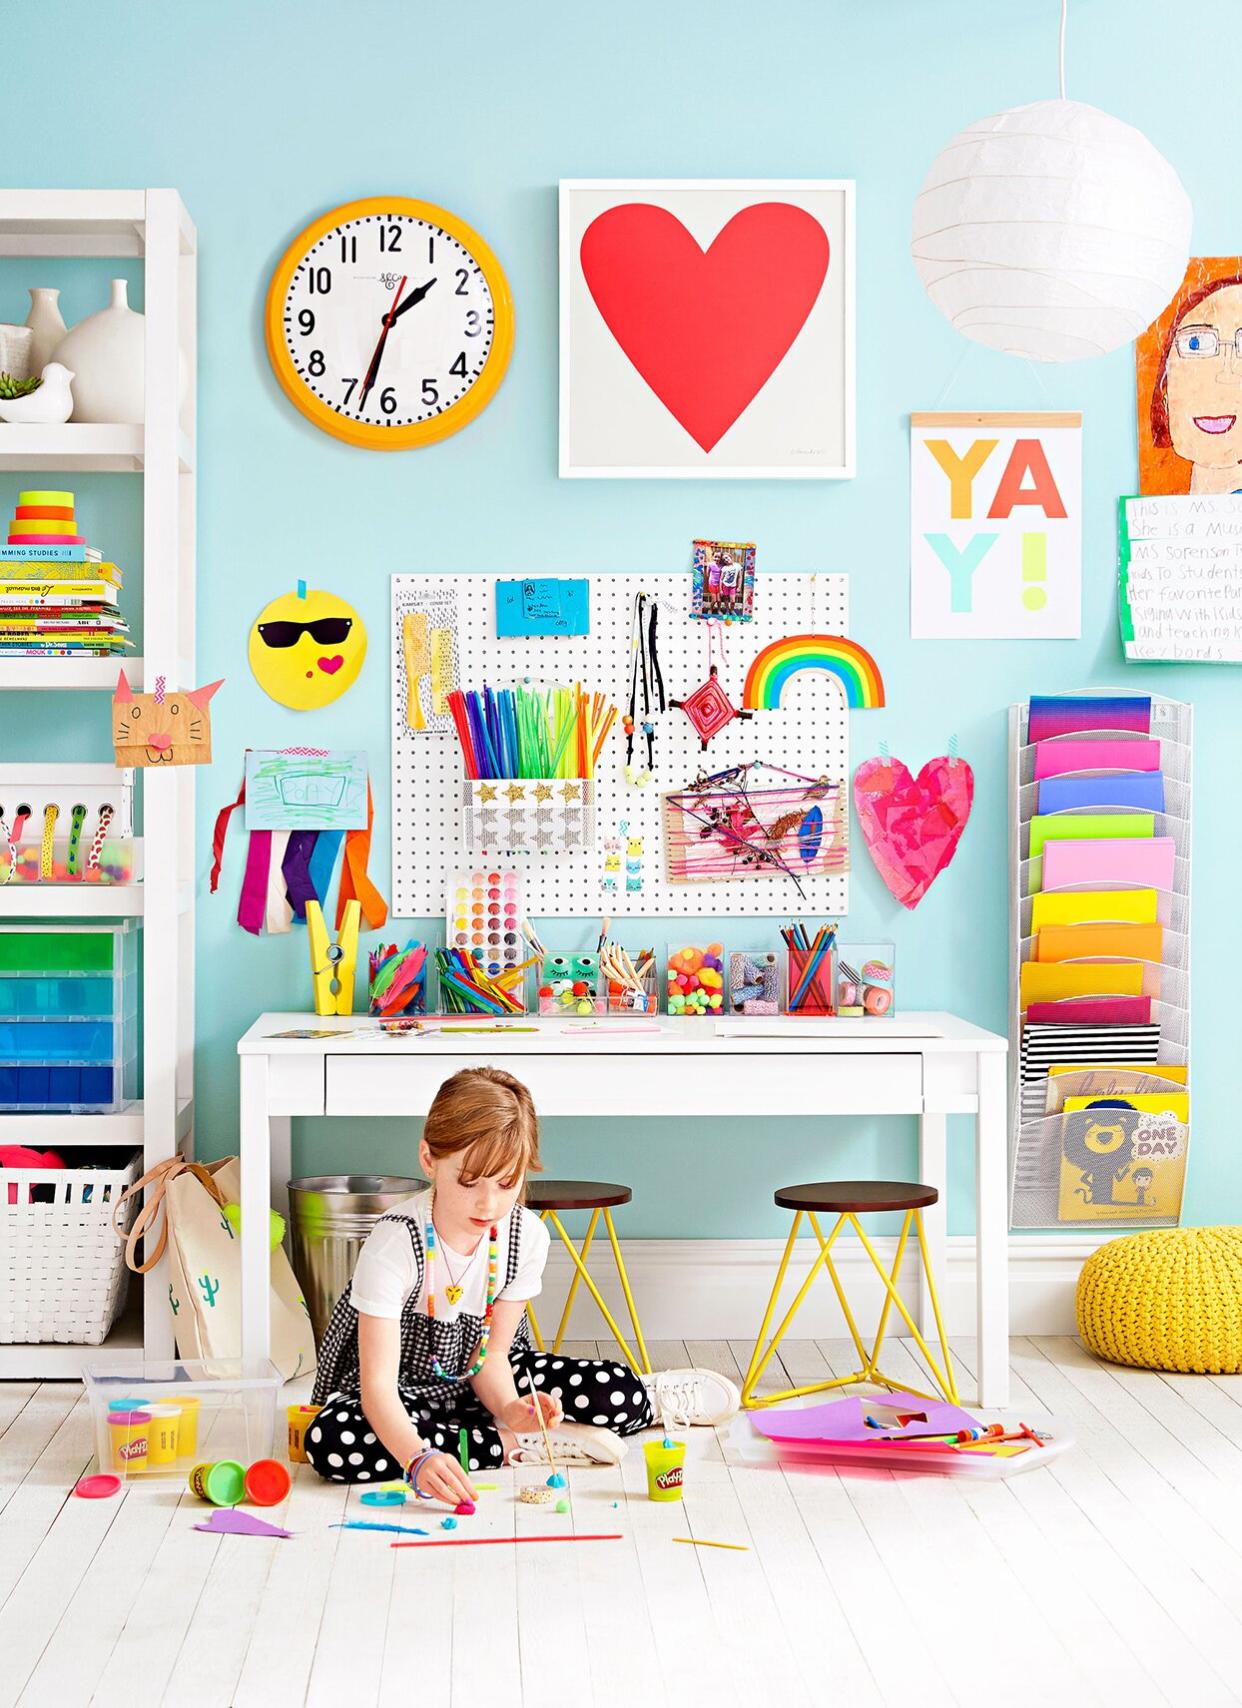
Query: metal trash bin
x,y
330,1216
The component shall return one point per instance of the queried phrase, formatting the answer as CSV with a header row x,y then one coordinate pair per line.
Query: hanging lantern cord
x,y
1064,6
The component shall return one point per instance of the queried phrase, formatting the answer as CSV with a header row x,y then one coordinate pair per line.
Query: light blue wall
x,y
263,115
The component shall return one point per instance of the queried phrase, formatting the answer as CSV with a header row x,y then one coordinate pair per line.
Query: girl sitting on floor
x,y
431,1336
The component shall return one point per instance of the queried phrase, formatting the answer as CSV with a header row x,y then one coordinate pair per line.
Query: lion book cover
x,y
1123,1159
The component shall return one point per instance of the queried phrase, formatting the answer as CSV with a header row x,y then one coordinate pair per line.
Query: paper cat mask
x,y
167,727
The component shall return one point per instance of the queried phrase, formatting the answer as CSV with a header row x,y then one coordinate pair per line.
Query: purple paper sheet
x,y
845,1420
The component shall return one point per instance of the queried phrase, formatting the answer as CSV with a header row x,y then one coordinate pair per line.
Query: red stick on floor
x,y
502,1541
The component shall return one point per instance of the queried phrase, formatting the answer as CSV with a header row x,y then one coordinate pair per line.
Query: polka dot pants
x,y
343,1447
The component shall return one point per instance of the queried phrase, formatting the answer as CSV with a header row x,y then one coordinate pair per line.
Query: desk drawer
x,y
623,1085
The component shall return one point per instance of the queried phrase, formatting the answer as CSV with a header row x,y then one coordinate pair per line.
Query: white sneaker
x,y
691,1397
572,1444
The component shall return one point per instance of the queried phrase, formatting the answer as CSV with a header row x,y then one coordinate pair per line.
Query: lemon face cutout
x,y
306,648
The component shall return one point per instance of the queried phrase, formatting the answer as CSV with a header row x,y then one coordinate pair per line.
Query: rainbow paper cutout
x,y
852,666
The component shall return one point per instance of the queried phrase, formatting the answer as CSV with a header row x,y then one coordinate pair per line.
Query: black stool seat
x,y
576,1195
838,1196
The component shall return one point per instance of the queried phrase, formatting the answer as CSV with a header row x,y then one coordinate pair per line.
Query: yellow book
x,y
1175,1103
1054,981
47,569
1093,907
1123,1164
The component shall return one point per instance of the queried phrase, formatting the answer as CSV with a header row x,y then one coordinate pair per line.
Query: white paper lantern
x,y
1052,231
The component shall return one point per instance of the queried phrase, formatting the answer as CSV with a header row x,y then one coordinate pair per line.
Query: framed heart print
x,y
707,328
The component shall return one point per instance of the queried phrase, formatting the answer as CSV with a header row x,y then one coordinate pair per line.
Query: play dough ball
x,y
448,1524
306,649
562,1506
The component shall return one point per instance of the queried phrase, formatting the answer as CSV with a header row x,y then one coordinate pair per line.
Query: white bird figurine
x,y
53,402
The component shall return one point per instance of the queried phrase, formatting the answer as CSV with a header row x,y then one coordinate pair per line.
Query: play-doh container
x,y
128,1440
665,1468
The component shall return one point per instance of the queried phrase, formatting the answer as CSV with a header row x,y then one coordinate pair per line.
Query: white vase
x,y
15,342
105,352
47,323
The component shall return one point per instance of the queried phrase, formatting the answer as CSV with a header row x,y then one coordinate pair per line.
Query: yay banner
x,y
995,526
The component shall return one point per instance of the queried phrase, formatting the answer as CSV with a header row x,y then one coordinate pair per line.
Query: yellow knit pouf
x,y
1165,1300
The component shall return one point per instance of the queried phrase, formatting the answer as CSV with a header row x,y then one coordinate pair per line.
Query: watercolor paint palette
x,y
483,916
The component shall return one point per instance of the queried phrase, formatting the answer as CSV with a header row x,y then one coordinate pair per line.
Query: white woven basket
x,y
62,1268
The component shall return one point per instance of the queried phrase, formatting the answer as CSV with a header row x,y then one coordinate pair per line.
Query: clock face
x,y
389,323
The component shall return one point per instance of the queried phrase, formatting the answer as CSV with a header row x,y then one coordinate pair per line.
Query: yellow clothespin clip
x,y
333,964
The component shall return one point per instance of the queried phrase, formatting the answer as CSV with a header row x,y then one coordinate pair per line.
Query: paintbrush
x,y
417,664
543,1425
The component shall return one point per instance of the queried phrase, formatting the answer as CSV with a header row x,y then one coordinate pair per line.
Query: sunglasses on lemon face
x,y
325,631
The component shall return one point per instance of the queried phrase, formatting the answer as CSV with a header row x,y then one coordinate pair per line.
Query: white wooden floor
x,y
1113,1575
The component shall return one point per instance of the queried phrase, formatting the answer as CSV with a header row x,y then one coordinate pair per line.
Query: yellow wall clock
x,y
389,323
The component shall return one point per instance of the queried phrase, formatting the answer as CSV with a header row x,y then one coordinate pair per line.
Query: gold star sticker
x,y
569,792
515,792
486,792
543,792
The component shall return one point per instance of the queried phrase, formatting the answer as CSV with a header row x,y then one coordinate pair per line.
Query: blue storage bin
x,y
70,1088
38,1039
86,994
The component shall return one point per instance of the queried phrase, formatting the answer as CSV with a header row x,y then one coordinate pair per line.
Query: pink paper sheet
x,y
1060,758
845,1420
1141,862
1092,1011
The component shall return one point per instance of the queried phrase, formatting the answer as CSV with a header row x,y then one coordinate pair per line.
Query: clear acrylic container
x,y
68,1018
226,1410
866,979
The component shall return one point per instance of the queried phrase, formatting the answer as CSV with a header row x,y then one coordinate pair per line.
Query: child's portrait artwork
x,y
1188,372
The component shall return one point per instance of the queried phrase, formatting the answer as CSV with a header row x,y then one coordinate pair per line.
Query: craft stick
x,y
543,1422
702,1542
463,1451
506,1541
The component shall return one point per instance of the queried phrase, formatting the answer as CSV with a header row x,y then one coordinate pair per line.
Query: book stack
x,y
1101,961
58,599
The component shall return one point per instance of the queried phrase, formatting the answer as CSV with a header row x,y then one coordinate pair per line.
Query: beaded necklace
x,y
437,1369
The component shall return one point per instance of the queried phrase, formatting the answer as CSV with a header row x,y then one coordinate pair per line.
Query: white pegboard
x,y
810,733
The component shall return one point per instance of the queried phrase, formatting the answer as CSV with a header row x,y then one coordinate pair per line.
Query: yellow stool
x,y
547,1197
847,1200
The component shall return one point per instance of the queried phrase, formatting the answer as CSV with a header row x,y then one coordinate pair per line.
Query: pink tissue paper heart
x,y
331,665
912,825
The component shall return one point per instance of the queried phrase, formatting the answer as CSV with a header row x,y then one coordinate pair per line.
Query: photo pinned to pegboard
x,y
808,734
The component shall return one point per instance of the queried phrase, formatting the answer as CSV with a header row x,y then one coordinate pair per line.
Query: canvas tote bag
x,y
184,1215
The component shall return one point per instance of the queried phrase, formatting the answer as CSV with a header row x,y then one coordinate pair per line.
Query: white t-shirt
x,y
386,1271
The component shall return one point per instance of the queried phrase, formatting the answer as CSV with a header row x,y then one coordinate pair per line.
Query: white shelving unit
x,y
152,224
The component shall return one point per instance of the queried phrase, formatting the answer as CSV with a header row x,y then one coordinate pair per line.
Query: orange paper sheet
x,y
1083,942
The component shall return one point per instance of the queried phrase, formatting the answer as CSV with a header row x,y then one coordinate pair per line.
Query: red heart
x,y
912,825
705,330
331,665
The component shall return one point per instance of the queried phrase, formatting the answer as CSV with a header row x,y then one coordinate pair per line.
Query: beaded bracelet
x,y
412,1467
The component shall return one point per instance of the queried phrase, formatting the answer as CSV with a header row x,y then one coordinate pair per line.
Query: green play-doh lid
x,y
225,1483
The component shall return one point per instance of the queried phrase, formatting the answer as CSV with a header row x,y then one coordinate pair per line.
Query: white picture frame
x,y
798,423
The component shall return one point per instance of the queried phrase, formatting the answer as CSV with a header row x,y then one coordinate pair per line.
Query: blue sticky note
x,y
549,605
1142,789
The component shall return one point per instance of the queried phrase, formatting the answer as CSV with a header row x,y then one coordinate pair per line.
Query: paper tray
x,y
844,1458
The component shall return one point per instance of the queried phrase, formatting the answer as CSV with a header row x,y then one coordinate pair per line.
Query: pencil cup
x,y
865,980
621,997
665,1469
812,987
300,1420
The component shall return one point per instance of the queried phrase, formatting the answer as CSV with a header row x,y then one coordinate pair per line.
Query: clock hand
x,y
414,296
378,355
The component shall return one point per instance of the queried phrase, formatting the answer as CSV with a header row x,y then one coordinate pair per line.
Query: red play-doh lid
x,y
267,1482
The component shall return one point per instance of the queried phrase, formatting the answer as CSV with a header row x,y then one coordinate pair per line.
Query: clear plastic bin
x,y
226,1410
26,863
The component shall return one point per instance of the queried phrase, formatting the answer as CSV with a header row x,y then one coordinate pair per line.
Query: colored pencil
x,y
701,1542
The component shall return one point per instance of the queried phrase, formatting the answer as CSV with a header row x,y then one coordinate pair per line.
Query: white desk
x,y
928,1065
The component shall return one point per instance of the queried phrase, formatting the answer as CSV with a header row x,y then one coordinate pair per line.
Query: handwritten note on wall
x,y
995,526
1181,577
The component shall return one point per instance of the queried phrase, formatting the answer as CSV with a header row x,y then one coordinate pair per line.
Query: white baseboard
x,y
716,1289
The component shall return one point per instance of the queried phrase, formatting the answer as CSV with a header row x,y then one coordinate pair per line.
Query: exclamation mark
x,y
1034,569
